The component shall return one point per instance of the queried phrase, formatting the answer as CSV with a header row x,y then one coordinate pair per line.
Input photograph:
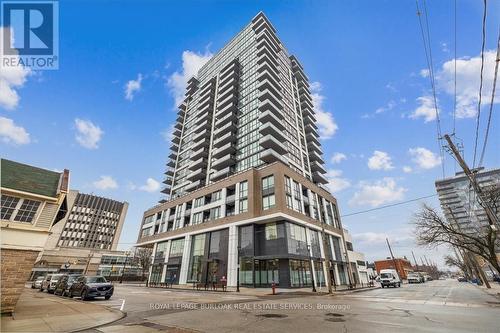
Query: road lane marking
x,y
123,304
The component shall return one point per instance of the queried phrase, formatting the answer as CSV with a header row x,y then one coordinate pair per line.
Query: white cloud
x,y
150,186
11,78
424,73
377,193
380,161
425,110
338,157
336,182
390,105
12,133
105,183
168,133
132,87
326,123
424,158
371,237
88,135
407,169
468,78
191,63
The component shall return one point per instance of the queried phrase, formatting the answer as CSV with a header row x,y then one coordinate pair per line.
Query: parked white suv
x,y
389,277
50,282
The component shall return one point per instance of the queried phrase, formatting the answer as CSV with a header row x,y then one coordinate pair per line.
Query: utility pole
x,y
392,255
426,261
416,263
492,218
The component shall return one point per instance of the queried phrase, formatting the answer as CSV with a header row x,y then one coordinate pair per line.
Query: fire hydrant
x,y
273,286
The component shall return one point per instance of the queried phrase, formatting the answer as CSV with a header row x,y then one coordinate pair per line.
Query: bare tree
x,y
142,256
432,229
455,261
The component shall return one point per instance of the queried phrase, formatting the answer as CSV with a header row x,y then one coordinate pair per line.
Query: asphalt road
x,y
436,306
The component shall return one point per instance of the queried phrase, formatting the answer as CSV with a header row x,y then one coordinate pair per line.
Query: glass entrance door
x,y
266,272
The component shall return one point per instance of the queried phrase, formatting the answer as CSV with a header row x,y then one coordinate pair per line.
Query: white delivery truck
x,y
389,277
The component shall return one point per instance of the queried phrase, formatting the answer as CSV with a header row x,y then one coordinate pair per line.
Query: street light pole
x,y
310,264
238,270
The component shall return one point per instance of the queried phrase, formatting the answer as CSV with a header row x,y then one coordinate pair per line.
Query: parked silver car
x,y
49,283
37,283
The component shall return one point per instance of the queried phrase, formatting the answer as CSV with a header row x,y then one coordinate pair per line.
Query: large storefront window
x,y
266,272
197,251
297,240
160,250
320,276
176,248
300,273
246,271
156,271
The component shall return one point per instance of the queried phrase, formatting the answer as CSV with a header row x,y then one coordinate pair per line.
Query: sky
x,y
106,113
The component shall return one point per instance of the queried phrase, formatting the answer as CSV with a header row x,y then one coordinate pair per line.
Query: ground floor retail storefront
x,y
254,255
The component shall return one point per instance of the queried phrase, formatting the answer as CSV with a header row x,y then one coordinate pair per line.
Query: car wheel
x,y
382,286
107,297
70,294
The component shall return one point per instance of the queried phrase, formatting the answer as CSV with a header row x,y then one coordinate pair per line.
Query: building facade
x,y
33,201
245,200
459,203
248,106
401,265
91,228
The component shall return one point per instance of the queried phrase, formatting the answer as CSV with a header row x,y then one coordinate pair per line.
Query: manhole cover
x,y
334,314
335,320
272,315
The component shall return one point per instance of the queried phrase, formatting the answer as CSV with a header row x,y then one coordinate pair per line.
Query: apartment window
x,y
243,206
216,196
243,189
146,232
349,246
297,233
8,206
288,185
268,201
214,213
148,219
197,218
176,248
267,183
198,202
271,231
289,201
27,211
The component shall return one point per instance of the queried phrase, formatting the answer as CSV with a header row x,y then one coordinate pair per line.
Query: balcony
x,y
270,129
203,134
202,117
169,172
233,65
228,148
223,173
173,155
308,120
313,147
270,142
304,102
197,175
225,119
230,75
314,156
178,125
270,95
229,127
267,61
202,143
312,136
231,107
261,22
177,132
269,117
309,128
168,181
201,152
271,38
195,185
166,190
270,85
271,156
266,73
225,138
232,98
273,108
223,162
198,164
317,166
171,163
319,178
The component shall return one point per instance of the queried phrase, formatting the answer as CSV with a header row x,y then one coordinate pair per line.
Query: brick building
x,y
32,201
403,266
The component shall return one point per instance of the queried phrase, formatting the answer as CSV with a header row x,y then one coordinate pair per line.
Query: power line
x,y
497,60
480,83
430,68
391,205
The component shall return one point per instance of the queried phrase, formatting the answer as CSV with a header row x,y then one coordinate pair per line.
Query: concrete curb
x,y
352,291
123,315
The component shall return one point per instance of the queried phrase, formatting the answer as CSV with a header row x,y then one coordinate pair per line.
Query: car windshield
x,y
40,278
386,275
72,278
96,279
56,277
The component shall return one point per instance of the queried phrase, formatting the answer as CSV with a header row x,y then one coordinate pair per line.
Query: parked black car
x,y
91,286
64,283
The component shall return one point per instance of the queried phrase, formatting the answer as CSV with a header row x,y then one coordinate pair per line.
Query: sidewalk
x,y
494,291
42,312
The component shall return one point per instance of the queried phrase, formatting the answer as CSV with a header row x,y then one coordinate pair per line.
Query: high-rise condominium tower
x,y
249,105
244,178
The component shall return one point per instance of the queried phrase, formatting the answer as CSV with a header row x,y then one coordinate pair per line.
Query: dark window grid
x,y
8,206
27,211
